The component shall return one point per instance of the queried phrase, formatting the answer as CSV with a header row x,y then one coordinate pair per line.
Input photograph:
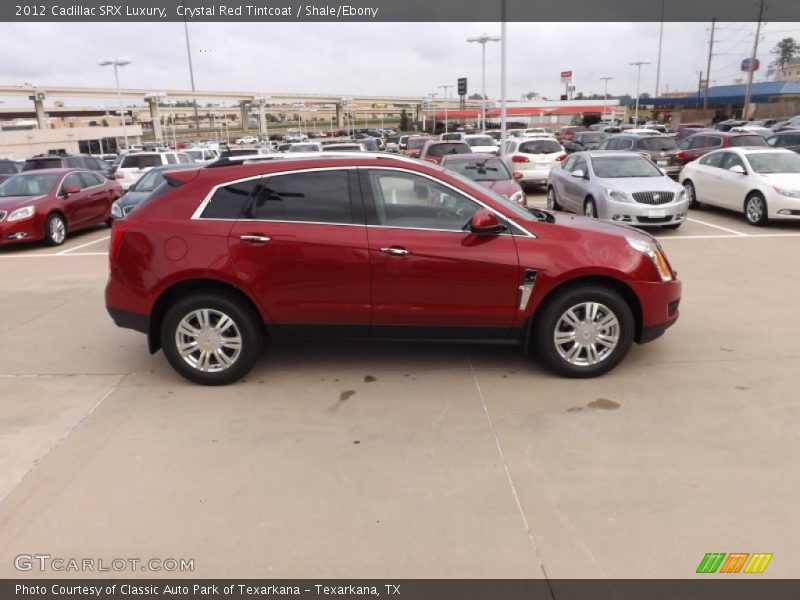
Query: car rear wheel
x,y
583,331
211,338
755,210
690,194
590,209
552,201
55,230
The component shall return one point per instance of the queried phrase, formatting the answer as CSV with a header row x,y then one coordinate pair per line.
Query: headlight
x,y
681,194
655,255
26,212
787,193
617,195
517,197
116,211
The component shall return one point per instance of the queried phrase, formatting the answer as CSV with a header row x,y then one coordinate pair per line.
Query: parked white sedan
x,y
762,183
481,143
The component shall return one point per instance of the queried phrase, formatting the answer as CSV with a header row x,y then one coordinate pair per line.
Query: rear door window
x,y
312,197
74,162
141,161
171,160
713,159
90,179
229,201
748,140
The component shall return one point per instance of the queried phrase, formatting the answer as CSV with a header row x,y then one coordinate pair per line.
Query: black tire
x,y
552,199
110,222
692,194
549,322
244,318
672,225
755,210
590,208
55,230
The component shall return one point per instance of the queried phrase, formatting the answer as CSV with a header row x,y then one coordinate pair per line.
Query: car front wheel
x,y
552,201
583,331
211,338
55,230
755,209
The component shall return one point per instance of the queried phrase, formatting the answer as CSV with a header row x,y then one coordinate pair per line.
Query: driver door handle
x,y
257,239
395,251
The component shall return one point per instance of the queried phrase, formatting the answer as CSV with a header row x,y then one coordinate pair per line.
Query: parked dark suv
x,y
661,149
786,139
67,161
8,168
584,140
374,246
695,146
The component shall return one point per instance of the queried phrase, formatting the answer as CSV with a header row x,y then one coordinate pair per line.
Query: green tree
x,y
474,97
784,51
403,120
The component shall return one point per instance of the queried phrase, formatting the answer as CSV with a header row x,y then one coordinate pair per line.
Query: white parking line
x,y
68,250
707,224
50,254
722,236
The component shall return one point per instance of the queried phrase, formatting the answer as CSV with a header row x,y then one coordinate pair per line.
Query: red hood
x,y
12,202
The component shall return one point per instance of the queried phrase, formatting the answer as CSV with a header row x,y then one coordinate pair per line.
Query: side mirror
x,y
71,189
579,173
485,222
517,175
738,169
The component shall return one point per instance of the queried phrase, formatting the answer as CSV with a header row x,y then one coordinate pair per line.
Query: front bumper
x,y
659,303
643,215
19,232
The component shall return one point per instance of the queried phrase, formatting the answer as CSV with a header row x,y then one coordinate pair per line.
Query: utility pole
x,y
751,70
708,66
503,91
445,88
605,92
660,40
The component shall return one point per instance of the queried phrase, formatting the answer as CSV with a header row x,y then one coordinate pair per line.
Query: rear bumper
x,y
130,320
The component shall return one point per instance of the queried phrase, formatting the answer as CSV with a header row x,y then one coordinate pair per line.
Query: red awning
x,y
527,111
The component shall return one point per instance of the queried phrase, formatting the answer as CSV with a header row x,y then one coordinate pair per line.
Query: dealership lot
x,y
340,459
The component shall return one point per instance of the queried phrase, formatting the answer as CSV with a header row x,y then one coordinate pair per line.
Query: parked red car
x,y
489,171
414,145
567,133
47,204
695,146
376,247
434,150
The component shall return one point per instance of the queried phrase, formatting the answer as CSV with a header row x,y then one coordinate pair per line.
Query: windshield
x,y
774,162
748,140
624,166
140,161
658,144
480,141
415,143
303,148
590,138
539,147
150,181
477,189
195,154
442,149
489,169
27,185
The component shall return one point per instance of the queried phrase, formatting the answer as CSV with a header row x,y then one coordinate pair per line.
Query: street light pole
x,y
445,88
605,92
118,62
638,64
431,96
482,39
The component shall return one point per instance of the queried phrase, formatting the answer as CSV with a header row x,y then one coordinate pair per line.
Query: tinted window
x,y
73,162
7,168
540,147
443,149
712,142
589,138
196,154
171,160
227,202
140,161
184,158
90,179
408,200
416,143
316,196
41,163
74,180
149,181
729,159
657,144
748,140
488,169
712,160
480,141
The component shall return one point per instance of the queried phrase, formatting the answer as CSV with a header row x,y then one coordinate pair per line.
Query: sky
x,y
376,58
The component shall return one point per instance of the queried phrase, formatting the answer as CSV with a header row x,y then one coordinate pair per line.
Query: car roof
x,y
471,156
55,171
610,153
754,150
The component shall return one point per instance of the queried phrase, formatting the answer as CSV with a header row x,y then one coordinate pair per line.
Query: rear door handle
x,y
395,251
256,239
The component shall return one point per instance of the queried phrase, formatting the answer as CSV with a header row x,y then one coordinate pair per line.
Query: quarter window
x,y
73,179
713,142
228,202
411,201
312,196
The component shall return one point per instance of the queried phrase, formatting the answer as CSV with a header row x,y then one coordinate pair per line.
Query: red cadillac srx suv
x,y
220,258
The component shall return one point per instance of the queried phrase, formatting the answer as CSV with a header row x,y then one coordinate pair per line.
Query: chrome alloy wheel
x,y
551,199
586,334
58,230
755,209
208,340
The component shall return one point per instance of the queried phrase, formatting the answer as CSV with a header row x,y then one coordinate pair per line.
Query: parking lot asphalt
x,y
343,459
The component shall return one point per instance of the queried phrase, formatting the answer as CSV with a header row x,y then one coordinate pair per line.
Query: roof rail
x,y
246,159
